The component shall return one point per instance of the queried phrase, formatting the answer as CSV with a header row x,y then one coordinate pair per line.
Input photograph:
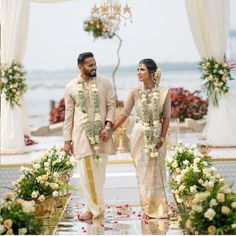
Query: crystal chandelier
x,y
112,13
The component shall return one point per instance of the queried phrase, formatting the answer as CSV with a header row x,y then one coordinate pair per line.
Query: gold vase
x,y
188,197
46,206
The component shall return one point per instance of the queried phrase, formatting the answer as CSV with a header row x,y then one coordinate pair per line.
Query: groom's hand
x,y
105,135
68,148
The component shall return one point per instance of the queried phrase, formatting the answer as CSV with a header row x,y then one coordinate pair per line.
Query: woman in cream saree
x,y
148,146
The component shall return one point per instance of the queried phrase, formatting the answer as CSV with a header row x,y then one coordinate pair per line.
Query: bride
x,y
148,146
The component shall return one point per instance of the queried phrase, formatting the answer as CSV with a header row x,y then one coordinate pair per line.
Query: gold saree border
x,y
91,179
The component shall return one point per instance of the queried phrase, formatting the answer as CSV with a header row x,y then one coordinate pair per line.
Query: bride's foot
x,y
86,216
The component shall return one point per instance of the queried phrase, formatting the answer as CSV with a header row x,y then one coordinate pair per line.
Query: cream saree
x,y
150,172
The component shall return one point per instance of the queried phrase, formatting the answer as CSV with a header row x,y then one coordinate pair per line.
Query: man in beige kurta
x,y
92,172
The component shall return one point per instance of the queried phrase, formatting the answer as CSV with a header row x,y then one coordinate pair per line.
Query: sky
x,y
160,30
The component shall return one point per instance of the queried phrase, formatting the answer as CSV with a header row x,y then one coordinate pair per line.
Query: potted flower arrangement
x,y
17,216
213,212
216,76
41,185
13,83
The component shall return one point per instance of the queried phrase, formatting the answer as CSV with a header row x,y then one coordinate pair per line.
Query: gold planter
x,y
46,206
188,197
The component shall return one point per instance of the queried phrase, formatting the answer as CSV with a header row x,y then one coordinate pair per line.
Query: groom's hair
x,y
82,56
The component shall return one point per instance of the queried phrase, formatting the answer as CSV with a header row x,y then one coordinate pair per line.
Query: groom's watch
x,y
109,129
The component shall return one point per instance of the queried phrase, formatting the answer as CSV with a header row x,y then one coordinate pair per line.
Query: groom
x,y
90,109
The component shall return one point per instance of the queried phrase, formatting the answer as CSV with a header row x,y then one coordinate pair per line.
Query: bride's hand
x,y
160,143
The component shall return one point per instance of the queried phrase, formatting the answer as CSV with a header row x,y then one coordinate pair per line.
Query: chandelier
x,y
112,14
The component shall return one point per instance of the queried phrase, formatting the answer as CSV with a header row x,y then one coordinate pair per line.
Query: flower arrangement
x,y
98,27
190,171
55,161
38,183
17,217
152,130
57,114
92,128
186,104
213,212
12,83
216,76
213,205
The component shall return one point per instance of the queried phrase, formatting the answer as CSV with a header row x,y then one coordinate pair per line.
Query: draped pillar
x,y
209,23
14,30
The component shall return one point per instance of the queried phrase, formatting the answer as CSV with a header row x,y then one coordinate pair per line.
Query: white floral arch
x,y
209,21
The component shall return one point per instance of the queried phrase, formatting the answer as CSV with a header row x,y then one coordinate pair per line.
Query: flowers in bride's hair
x,y
216,76
13,83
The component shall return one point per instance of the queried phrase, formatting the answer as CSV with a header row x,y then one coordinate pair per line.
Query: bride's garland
x,y
92,128
152,129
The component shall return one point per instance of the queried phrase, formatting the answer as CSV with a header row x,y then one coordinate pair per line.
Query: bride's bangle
x,y
162,139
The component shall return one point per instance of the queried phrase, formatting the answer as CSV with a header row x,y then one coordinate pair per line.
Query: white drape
x,y
209,22
14,31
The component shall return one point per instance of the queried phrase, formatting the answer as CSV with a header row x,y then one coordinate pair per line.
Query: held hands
x,y
106,134
68,148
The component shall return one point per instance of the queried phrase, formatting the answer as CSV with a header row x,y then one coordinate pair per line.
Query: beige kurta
x,y
151,172
73,125
92,173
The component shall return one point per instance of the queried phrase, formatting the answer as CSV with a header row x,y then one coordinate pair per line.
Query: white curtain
x,y
14,30
209,22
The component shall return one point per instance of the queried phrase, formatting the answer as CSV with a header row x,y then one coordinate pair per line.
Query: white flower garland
x,y
13,83
92,128
152,129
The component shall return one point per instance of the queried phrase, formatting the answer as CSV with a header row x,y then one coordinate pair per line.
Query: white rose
x,y
41,198
96,148
220,197
55,194
197,208
200,181
46,164
195,169
233,205
210,184
56,174
177,170
22,231
53,185
185,162
36,166
233,226
182,187
213,202
225,210
174,164
28,206
196,160
210,214
34,194
193,189
221,72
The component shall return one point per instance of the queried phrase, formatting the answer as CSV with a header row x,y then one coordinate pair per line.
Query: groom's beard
x,y
91,74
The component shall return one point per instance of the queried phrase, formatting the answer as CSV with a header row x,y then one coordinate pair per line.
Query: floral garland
x,y
13,82
151,129
92,128
216,76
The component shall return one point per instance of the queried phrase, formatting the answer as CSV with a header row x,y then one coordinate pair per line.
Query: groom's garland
x,y
92,128
152,129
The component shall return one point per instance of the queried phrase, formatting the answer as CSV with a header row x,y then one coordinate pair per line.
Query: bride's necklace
x,y
92,127
152,129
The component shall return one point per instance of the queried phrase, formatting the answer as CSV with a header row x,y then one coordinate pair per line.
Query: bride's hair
x,y
153,69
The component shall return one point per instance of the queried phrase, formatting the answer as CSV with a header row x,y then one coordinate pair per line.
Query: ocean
x,y
44,86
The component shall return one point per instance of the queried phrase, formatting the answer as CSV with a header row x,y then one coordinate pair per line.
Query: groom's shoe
x,y
86,216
